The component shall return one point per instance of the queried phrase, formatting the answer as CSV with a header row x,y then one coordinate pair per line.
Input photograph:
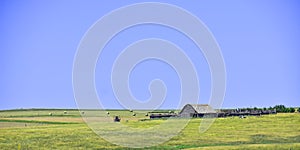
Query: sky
x,y
259,41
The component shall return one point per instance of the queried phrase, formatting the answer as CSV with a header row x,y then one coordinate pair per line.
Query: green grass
x,y
280,131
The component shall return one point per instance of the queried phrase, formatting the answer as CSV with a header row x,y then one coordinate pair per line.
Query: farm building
x,y
153,116
205,110
196,110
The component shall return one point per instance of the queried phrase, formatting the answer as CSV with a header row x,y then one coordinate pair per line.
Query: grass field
x,y
36,129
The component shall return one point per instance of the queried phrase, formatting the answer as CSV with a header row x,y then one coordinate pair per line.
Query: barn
x,y
196,110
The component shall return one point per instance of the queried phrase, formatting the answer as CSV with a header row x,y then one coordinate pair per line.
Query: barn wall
x,y
187,111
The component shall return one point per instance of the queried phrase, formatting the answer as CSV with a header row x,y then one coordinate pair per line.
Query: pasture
x,y
65,129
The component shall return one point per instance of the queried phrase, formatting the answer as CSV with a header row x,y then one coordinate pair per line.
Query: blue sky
x,y
259,41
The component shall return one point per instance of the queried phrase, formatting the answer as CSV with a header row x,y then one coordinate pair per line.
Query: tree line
x,y
279,109
283,109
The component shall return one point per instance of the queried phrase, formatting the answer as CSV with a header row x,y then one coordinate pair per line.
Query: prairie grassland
x,y
39,113
45,119
68,131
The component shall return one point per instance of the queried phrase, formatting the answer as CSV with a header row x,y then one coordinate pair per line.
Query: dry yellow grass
x,y
56,119
18,124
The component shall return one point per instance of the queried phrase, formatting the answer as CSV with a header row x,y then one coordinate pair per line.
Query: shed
x,y
196,110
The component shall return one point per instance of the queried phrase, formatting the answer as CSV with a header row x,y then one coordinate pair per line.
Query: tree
x,y
286,110
280,108
292,109
299,109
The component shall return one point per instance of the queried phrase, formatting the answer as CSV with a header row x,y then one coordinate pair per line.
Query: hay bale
x,y
50,114
65,112
117,119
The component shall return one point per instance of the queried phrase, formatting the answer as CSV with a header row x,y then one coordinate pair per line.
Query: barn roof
x,y
201,108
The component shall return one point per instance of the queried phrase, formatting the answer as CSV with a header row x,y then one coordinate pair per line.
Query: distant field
x,y
65,129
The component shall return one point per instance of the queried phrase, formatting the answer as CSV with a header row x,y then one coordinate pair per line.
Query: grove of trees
x,y
278,108
282,108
